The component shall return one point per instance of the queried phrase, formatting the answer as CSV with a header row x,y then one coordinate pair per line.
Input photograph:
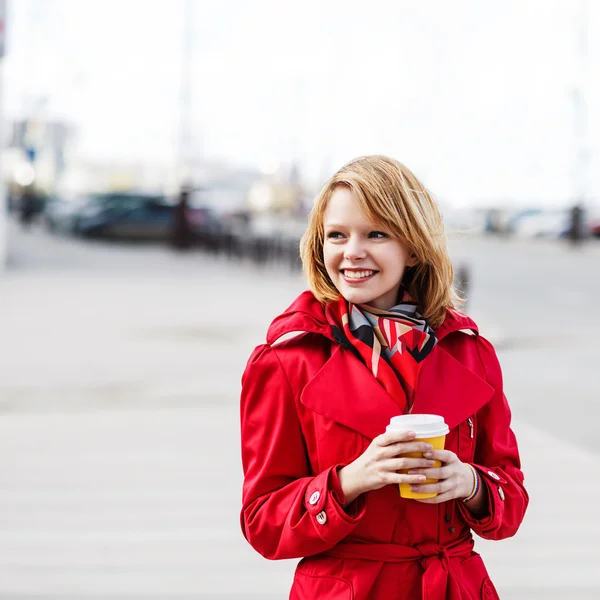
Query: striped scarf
x,y
392,343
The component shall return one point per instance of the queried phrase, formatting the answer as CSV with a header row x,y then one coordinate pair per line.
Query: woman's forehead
x,y
344,209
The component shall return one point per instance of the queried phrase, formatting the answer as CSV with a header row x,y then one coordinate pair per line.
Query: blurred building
x,y
280,191
36,154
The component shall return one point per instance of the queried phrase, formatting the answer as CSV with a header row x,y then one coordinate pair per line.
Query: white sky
x,y
475,96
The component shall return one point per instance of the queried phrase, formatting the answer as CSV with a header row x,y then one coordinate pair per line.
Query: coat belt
x,y
440,582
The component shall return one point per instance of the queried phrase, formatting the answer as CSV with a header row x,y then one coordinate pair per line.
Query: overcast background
x,y
477,97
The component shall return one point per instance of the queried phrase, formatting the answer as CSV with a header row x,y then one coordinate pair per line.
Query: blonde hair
x,y
391,197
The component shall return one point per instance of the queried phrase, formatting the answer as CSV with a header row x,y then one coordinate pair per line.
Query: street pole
x,y
181,233
185,106
581,170
582,154
3,204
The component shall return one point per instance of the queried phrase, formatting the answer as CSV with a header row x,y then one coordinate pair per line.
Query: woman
x,y
377,336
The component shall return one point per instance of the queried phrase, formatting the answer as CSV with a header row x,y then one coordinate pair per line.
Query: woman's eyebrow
x,y
371,227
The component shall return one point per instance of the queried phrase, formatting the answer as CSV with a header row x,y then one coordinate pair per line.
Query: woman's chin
x,y
357,296
381,302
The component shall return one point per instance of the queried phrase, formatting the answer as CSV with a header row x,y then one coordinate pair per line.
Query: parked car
x,y
125,216
515,217
60,214
547,223
136,216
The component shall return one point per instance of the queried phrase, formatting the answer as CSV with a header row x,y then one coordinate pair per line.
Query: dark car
x,y
125,216
135,216
60,214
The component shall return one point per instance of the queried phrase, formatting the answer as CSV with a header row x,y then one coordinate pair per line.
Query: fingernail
x,y
428,454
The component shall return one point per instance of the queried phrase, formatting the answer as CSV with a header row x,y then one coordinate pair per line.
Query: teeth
x,y
358,274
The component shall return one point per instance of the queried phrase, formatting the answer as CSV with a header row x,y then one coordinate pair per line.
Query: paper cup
x,y
428,428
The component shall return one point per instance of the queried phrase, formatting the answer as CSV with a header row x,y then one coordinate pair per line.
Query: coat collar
x,y
307,314
345,391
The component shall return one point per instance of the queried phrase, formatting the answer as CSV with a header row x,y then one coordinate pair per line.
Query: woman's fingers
x,y
444,485
406,463
449,482
410,464
392,437
410,479
433,473
399,448
397,457
445,456
396,478
386,473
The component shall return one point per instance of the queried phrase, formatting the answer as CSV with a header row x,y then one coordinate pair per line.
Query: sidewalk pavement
x,y
119,443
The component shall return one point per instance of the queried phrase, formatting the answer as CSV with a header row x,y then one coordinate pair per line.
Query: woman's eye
x,y
378,234
334,235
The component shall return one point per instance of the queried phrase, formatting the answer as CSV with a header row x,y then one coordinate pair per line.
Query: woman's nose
x,y
354,250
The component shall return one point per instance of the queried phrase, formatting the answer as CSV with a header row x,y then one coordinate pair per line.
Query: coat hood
x,y
307,315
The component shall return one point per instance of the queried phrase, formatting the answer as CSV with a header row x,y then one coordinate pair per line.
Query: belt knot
x,y
430,552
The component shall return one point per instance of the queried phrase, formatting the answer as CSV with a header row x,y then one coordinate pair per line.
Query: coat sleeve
x,y
287,512
497,460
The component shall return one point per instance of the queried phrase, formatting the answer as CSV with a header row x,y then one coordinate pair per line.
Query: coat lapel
x,y
447,388
346,392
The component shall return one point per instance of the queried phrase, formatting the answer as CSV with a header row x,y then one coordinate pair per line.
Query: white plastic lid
x,y
425,426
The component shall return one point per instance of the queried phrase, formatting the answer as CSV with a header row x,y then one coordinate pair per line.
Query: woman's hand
x,y
455,478
377,466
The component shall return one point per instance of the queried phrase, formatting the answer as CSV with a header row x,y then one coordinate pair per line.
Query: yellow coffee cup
x,y
428,428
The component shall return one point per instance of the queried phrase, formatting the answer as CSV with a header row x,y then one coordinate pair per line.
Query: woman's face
x,y
364,262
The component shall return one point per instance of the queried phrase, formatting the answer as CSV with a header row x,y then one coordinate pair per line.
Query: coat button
x,y
314,498
493,475
451,529
447,518
322,518
501,493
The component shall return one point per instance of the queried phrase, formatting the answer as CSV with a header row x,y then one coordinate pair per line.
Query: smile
x,y
358,276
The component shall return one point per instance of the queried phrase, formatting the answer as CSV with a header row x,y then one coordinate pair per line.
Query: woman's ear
x,y
412,261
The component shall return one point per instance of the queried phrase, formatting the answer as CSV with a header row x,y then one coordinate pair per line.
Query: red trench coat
x,y
309,407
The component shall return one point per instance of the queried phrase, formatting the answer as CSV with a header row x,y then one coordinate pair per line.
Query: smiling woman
x,y
377,336
364,264
375,207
